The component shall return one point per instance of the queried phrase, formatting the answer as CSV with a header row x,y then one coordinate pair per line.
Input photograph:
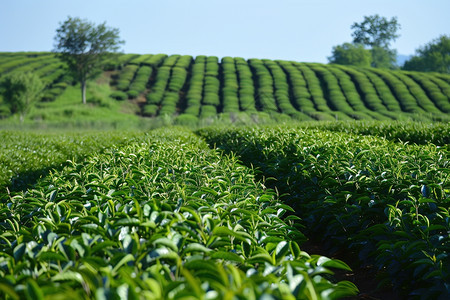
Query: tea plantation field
x,y
189,90
224,212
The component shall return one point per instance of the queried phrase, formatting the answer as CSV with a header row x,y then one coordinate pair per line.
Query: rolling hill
x,y
191,89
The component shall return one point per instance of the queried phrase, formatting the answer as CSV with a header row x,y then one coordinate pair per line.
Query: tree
x,y
375,31
20,90
85,47
433,57
383,58
371,40
351,54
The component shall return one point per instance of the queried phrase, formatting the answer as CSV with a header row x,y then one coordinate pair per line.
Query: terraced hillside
x,y
202,87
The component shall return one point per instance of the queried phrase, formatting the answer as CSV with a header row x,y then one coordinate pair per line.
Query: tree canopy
x,y
85,46
20,90
351,54
374,34
375,31
434,56
383,58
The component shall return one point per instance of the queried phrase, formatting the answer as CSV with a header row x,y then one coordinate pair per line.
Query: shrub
x,y
4,111
119,95
150,110
186,120
133,94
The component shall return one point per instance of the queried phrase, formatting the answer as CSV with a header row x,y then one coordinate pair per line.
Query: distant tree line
x,y
434,56
371,48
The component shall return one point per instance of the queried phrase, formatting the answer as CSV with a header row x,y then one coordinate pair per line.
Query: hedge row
x,y
442,76
207,111
212,66
442,84
246,86
417,92
385,203
432,89
171,60
170,79
314,87
230,86
401,92
155,60
139,60
176,82
126,76
50,70
35,65
265,98
300,93
53,73
155,97
195,92
169,103
352,95
139,83
157,90
336,97
118,61
373,88
283,92
21,61
211,86
281,87
54,91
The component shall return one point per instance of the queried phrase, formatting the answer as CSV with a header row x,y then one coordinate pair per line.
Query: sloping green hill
x,y
191,89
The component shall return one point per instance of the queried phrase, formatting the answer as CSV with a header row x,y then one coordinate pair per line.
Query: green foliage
x,y
386,201
313,83
20,91
132,94
150,110
433,57
143,75
119,95
188,120
26,156
334,93
375,31
126,76
401,92
383,58
351,54
432,89
195,91
85,47
230,86
163,217
265,99
281,88
405,132
5,111
246,86
300,91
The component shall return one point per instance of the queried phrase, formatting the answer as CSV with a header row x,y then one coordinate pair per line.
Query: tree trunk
x,y
83,91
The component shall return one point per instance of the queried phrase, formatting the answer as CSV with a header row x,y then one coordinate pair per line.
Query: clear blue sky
x,y
300,30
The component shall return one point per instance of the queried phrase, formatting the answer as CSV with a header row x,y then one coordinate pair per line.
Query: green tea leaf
x,y
227,256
